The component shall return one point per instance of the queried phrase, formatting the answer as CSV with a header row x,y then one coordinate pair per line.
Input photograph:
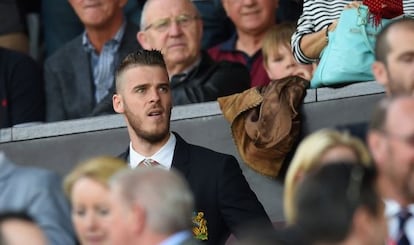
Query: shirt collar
x,y
163,156
176,238
392,208
116,39
187,71
230,46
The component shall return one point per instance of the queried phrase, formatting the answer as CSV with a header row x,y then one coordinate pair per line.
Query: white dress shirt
x,y
163,156
392,208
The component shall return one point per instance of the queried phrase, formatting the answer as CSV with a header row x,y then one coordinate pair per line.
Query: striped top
x,y
319,13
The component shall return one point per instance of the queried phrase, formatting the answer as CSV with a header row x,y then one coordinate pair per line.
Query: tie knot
x,y
404,214
402,238
148,162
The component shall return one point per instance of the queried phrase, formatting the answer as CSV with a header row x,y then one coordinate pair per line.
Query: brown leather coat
x,y
265,122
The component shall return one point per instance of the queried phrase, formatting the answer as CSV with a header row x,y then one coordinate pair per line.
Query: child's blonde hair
x,y
277,35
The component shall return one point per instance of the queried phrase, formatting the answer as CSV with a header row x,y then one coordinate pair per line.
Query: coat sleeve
x,y
51,210
26,95
238,203
305,26
54,96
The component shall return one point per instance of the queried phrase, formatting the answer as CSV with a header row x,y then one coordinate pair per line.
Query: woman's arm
x,y
310,36
313,43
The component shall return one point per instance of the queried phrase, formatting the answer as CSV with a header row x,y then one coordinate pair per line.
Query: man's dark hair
x,y
328,198
382,47
140,57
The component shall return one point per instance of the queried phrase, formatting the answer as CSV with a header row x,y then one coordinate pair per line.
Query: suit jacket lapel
x,y
129,43
181,160
125,156
82,69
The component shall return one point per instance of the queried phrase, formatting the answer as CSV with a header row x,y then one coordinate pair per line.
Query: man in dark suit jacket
x,y
223,198
22,98
194,76
79,77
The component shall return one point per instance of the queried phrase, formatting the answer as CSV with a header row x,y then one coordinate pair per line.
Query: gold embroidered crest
x,y
200,226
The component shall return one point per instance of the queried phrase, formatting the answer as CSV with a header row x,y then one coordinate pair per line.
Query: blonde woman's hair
x,y
307,157
275,37
99,169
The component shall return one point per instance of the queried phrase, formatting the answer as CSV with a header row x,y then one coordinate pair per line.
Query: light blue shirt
x,y
103,64
176,238
39,193
392,208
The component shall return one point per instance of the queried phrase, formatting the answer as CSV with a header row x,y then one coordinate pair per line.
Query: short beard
x,y
152,138
394,87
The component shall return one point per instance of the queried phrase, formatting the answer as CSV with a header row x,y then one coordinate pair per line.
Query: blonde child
x,y
277,54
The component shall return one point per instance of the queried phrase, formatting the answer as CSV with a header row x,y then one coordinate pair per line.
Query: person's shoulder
x,y
224,65
36,177
10,57
65,52
207,151
232,66
131,27
214,51
225,46
203,152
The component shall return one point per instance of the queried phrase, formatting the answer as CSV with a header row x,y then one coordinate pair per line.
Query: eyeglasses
x,y
162,25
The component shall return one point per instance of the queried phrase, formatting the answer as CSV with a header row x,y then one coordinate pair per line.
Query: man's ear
x,y
139,219
377,147
380,73
143,40
117,103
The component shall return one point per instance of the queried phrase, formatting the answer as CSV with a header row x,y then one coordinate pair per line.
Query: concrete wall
x,y
61,145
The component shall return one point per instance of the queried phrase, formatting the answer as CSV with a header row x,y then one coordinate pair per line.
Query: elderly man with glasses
x,y
175,28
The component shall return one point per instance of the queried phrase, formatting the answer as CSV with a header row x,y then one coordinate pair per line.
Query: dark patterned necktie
x,y
403,216
148,162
